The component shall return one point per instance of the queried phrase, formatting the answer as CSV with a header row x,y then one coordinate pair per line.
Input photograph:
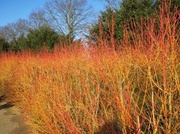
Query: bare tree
x,y
38,18
70,17
12,31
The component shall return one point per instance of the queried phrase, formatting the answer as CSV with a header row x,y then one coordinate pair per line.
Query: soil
x,y
11,121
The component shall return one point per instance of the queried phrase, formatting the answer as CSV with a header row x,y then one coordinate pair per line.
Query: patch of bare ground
x,y
11,121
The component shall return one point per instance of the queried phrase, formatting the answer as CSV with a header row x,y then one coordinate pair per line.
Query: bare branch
x,y
70,17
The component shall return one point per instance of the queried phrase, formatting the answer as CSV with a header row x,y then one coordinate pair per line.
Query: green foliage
x,y
22,42
66,40
4,46
105,19
174,3
18,44
129,9
43,37
135,9
35,39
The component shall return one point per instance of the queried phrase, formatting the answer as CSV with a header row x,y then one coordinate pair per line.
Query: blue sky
x,y
12,10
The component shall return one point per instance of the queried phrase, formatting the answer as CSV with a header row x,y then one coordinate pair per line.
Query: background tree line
x,y
61,21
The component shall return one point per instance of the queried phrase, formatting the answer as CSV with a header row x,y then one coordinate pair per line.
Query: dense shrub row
x,y
135,89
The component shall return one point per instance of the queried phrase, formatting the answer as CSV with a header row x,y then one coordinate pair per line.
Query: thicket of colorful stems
x,y
79,90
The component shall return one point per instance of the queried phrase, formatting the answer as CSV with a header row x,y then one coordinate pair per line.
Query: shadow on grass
x,y
114,127
110,128
2,98
6,105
